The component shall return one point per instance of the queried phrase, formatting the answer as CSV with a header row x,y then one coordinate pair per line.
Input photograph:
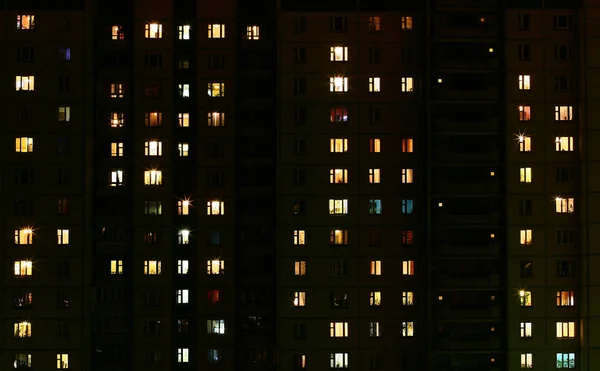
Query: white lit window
x,y
565,329
216,119
338,176
152,148
525,175
215,326
183,266
565,360
62,361
117,149
406,23
117,178
183,149
216,31
117,33
408,329
252,32
407,175
338,53
338,207
407,298
524,82
374,84
338,145
338,360
407,84
526,237
564,144
22,329
374,329
25,22
216,89
563,113
338,84
152,267
526,360
215,266
300,268
117,90
25,83
183,207
526,329
183,237
524,143
183,355
375,298
23,144
153,177
299,298
62,236
23,236
23,268
374,176
183,119
64,113
338,329
564,204
116,267
524,113
299,237
215,208
375,268
183,296
183,32
153,31
184,90
408,268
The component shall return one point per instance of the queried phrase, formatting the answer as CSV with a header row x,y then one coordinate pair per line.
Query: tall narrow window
x,y
374,84
408,268
183,120
525,298
524,143
183,32
524,113
374,24
299,237
407,145
525,175
407,84
300,268
374,145
406,23
526,361
374,176
524,82
526,328
407,175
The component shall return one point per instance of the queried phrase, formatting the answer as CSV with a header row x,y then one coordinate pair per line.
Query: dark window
x,y
216,61
564,268
562,22
374,54
63,269
300,115
25,53
338,24
339,268
299,85
214,238
153,60
299,176
565,236
63,145
524,21
563,174
300,146
562,83
23,114
23,300
300,331
339,300
64,83
524,52
300,54
62,300
374,115
24,176
562,52
215,150
407,54
300,24
299,207
375,361
63,176
214,178
23,207
375,237
525,206
526,268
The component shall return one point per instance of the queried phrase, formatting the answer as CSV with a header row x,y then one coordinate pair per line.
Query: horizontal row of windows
x,y
561,144
154,267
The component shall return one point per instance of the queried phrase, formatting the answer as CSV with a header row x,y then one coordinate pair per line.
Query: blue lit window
x,y
375,207
407,206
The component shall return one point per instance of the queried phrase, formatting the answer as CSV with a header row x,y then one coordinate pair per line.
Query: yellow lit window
x,y
338,176
153,148
183,119
407,175
374,84
565,298
183,237
374,145
375,268
526,237
408,268
25,83
215,208
23,268
216,89
117,33
374,24
153,119
183,149
183,207
299,299
117,120
338,145
407,84
408,298
338,84
153,31
300,268
407,145
215,266
564,144
183,32
299,237
216,119
524,143
526,329
338,53
406,23
408,329
525,175
62,236
153,177
152,267
25,22
252,32
23,236
338,207
524,82
22,329
62,361
375,298
526,361
374,176
24,144
117,178
216,31
525,298
564,204
338,329
524,113
116,149
64,114
338,237
565,330
563,113
116,267
117,90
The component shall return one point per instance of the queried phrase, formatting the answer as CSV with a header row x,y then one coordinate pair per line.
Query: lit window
x,y
406,237
62,236
153,119
183,266
183,296
565,329
408,329
526,360
117,90
183,207
24,144
407,206
299,299
117,120
374,207
524,82
215,266
153,31
338,176
564,205
215,326
525,175
565,298
407,145
183,149
25,22
374,84
117,33
374,24
299,237
338,53
338,360
338,237
153,177
338,329
406,23
65,54
252,32
216,89
183,237
183,119
526,329
408,268
524,143
23,236
300,361
374,329
407,175
374,176
374,145
62,361
183,355
23,268
216,119
116,149
300,268
564,144
153,148
524,113
565,360
22,360
25,83
526,237
408,298
563,113
338,115
64,113
338,145
375,298
116,178
375,268
216,31
152,267
116,267
338,207
407,84
22,329
525,298
183,32
215,208
213,296
184,90
338,84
